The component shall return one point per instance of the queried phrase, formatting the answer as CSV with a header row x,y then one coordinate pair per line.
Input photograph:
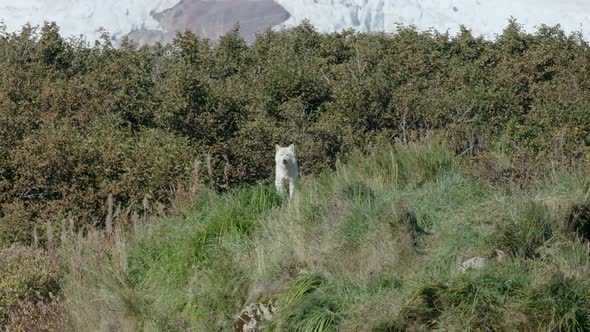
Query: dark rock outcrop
x,y
213,18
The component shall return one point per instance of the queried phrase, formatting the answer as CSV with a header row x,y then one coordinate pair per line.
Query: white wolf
x,y
286,169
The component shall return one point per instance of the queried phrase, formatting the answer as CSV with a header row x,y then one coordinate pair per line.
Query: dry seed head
x,y
109,218
64,233
196,181
35,237
50,241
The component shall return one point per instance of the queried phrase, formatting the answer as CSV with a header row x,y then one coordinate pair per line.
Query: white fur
x,y
286,169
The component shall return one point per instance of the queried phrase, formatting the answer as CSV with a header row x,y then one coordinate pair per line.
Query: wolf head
x,y
285,156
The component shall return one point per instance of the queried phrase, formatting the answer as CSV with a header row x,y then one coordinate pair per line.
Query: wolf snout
x,y
285,161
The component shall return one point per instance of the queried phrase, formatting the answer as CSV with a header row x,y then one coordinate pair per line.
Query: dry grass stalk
x,y
145,203
71,226
226,171
109,218
64,233
117,214
135,220
35,238
210,166
196,186
50,242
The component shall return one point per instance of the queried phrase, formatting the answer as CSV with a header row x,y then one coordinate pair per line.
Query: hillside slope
x,y
375,246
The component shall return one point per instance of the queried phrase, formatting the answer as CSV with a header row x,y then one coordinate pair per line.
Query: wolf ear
x,y
277,147
292,147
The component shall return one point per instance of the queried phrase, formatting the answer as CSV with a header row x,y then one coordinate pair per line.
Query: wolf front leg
x,y
279,186
291,189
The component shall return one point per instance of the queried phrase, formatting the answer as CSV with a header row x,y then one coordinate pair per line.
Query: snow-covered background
x,y
483,17
486,17
85,17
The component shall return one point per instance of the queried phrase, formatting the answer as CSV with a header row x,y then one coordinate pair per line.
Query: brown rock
x,y
253,315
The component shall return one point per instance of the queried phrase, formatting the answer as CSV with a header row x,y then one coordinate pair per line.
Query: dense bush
x,y
79,122
29,287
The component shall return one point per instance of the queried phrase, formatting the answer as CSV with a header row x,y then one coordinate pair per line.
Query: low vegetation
x,y
134,181
80,122
29,291
374,246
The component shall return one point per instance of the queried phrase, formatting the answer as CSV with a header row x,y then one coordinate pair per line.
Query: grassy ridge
x,y
375,245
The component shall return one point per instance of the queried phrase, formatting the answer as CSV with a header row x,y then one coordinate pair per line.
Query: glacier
x,y
483,17
85,17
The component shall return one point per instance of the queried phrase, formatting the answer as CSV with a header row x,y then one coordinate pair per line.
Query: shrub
x,y
17,225
29,280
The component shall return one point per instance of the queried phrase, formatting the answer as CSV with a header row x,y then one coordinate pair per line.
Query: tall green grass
x,y
374,246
